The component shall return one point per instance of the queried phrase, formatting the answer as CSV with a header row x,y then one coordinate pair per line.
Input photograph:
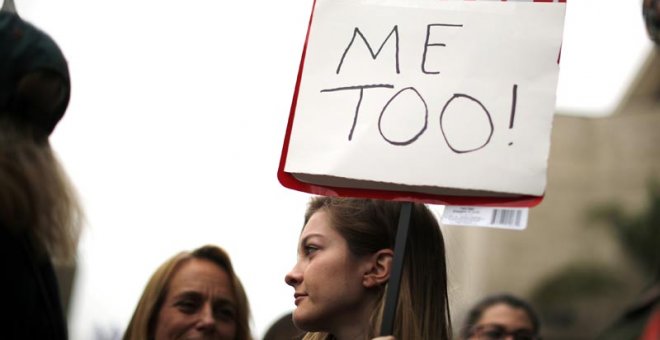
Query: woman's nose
x,y
206,318
294,277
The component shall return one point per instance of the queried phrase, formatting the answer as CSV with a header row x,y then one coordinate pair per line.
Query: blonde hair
x,y
369,225
36,198
143,322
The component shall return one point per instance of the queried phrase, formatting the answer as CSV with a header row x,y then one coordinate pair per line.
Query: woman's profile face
x,y
199,304
327,278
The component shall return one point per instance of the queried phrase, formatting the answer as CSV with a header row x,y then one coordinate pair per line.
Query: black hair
x,y
476,312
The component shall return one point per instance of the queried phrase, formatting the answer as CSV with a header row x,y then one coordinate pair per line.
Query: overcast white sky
x,y
175,126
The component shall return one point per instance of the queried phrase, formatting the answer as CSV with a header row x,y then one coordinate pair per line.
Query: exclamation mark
x,y
514,97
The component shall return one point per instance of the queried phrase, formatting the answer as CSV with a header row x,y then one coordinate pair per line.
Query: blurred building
x,y
593,161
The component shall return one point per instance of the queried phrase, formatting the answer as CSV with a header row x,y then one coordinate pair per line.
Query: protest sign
x,y
445,102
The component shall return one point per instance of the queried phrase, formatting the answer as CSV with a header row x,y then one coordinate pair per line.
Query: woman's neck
x,y
357,325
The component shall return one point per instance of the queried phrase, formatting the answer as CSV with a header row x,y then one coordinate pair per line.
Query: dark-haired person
x,y
651,15
500,317
39,212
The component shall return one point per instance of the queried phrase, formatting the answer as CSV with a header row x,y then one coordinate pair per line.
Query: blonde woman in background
x,y
193,295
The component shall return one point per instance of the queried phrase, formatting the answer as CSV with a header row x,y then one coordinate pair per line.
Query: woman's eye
x,y
187,306
226,314
493,334
310,249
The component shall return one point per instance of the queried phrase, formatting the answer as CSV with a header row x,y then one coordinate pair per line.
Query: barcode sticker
x,y
505,218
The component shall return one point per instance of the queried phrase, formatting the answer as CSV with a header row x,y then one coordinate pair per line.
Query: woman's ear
x,y
379,268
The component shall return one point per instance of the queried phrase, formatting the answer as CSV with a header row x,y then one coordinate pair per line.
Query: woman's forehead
x,y
200,274
319,226
318,222
503,314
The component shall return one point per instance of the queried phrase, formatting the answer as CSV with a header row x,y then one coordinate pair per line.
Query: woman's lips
x,y
298,298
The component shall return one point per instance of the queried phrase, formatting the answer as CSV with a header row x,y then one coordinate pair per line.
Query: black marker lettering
x,y
357,107
426,45
357,32
426,118
490,122
514,100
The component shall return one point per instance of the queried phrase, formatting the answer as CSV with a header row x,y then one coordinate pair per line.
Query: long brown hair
x,y
36,198
370,225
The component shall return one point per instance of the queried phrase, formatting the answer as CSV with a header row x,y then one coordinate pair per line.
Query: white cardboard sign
x,y
441,97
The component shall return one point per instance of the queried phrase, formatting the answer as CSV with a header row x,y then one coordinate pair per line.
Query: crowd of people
x,y
344,263
345,251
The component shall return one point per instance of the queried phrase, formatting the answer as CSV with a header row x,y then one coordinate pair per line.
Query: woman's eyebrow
x,y
223,302
310,236
189,294
195,295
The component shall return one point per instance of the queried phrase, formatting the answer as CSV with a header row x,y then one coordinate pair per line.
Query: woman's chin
x,y
303,321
